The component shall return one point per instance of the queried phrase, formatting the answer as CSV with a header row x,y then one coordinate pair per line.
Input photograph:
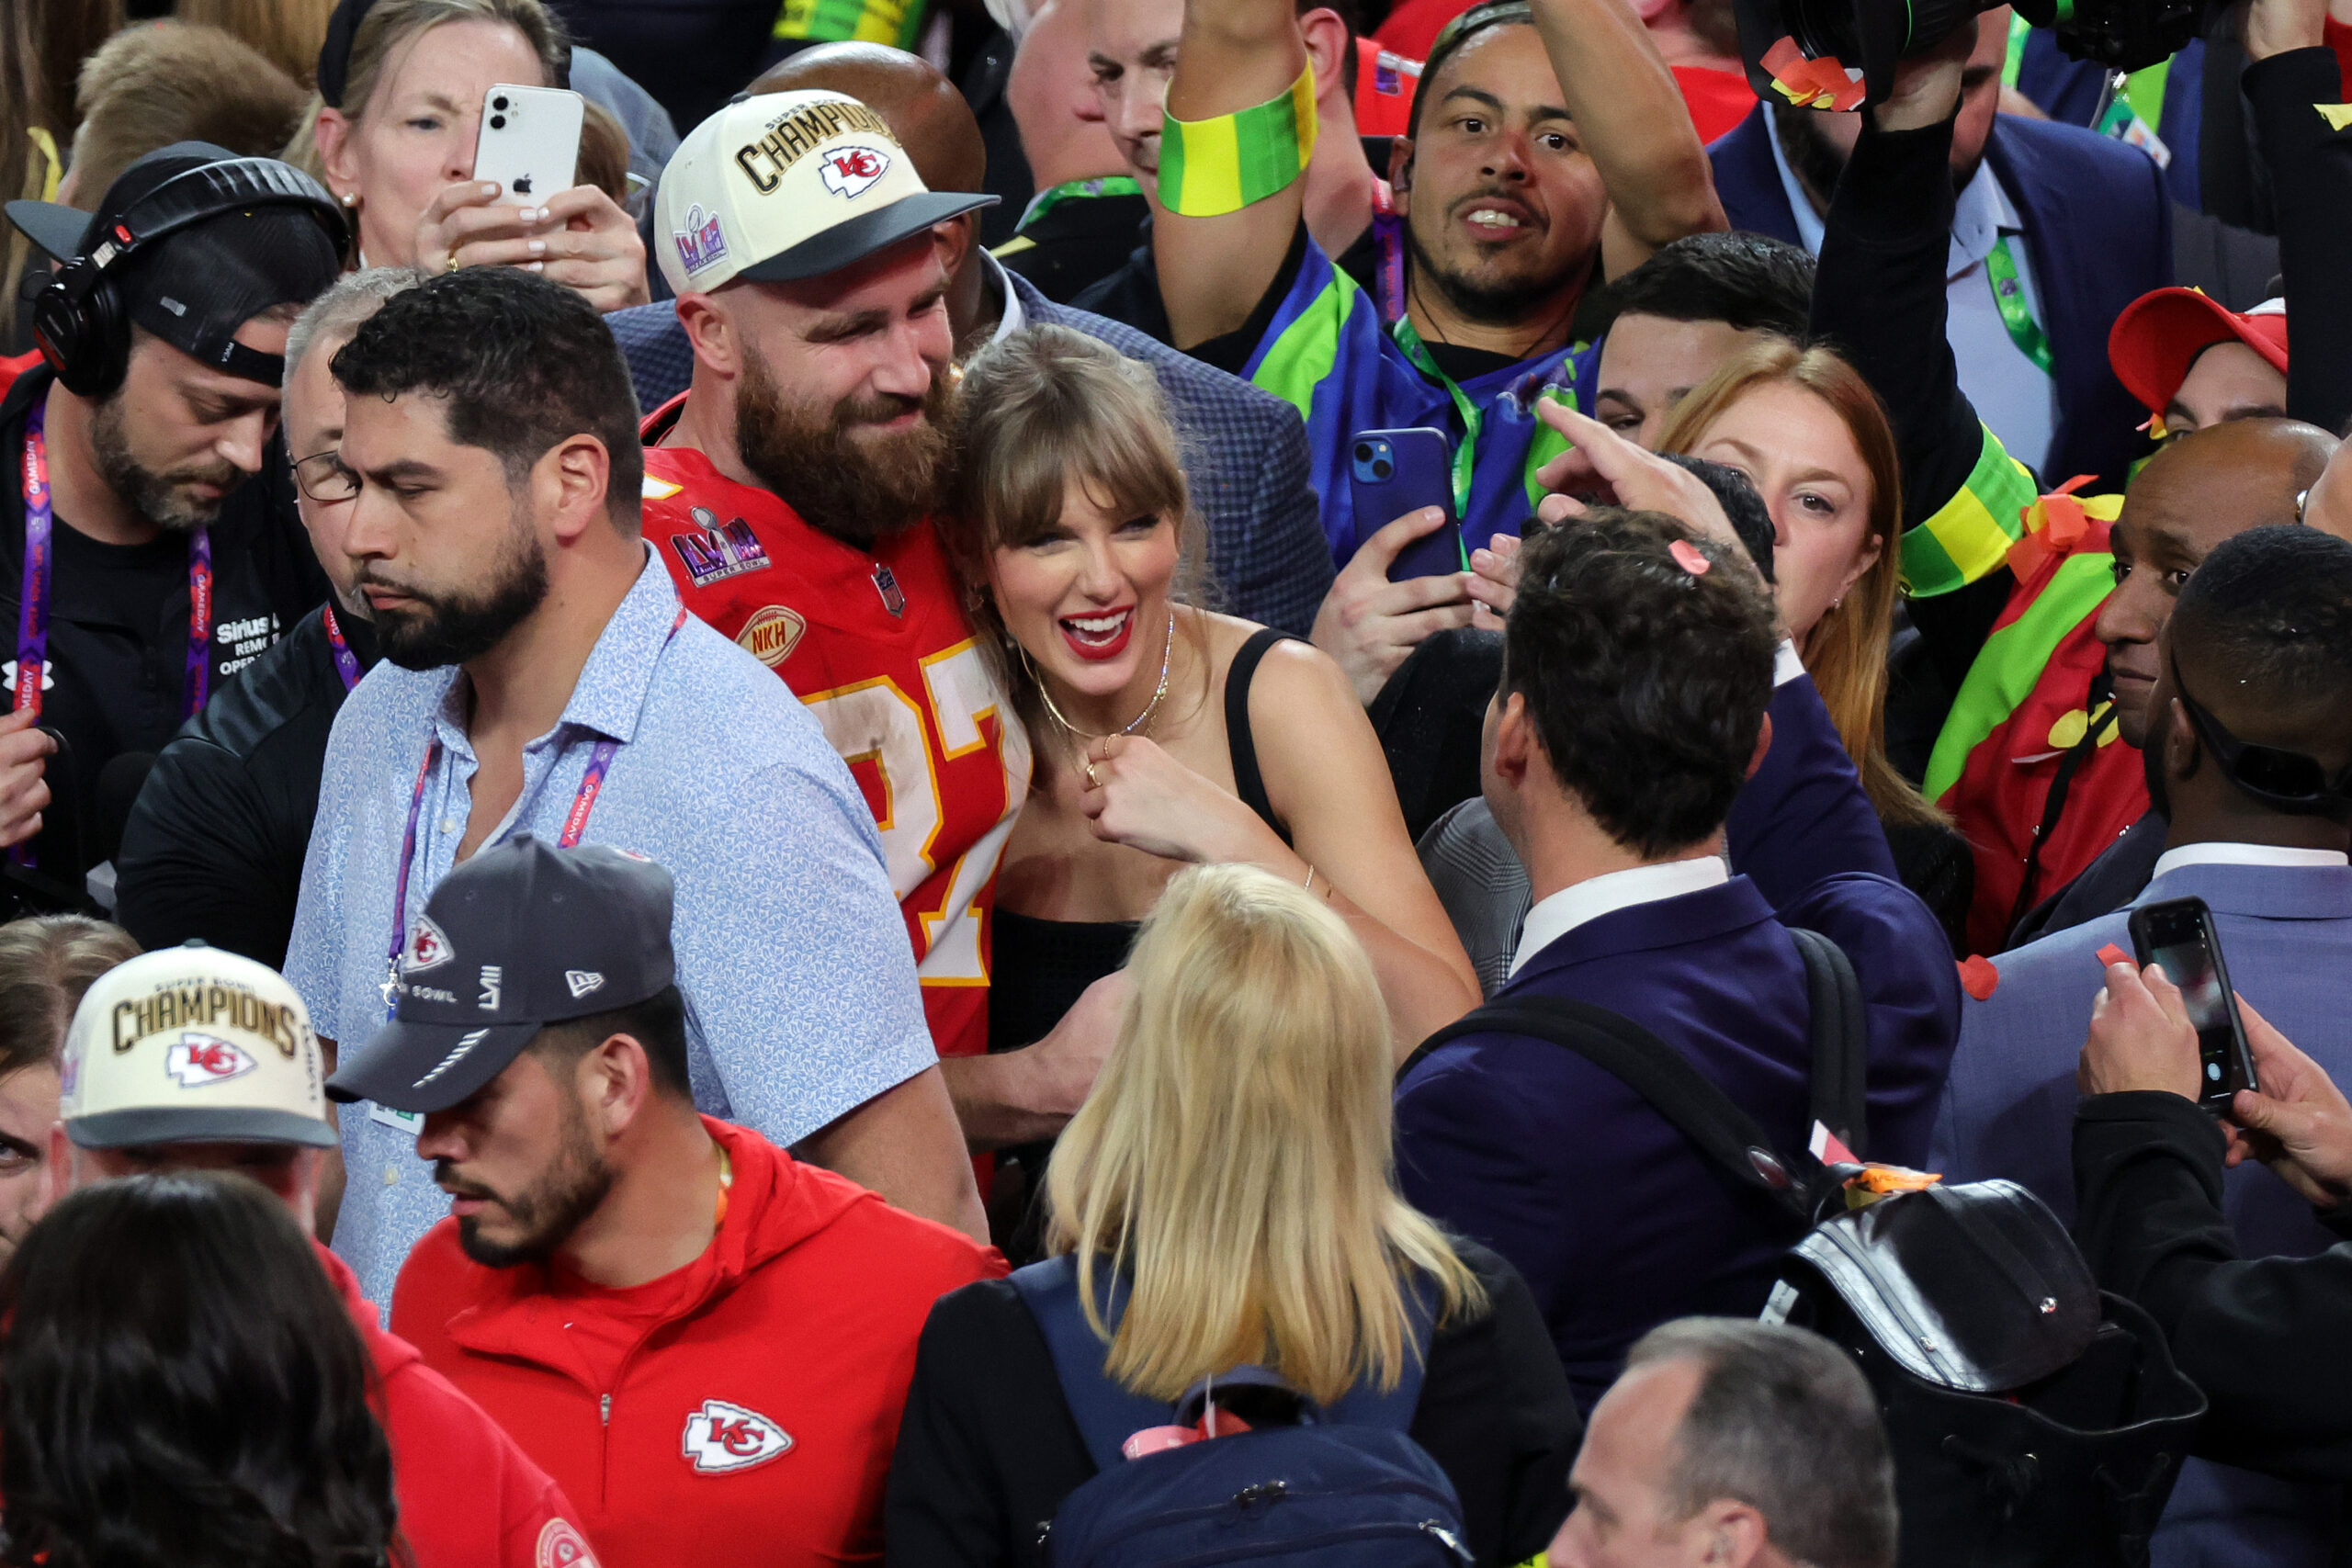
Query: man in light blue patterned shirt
x,y
541,677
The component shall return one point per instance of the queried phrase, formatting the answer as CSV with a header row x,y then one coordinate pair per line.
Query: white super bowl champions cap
x,y
787,186
192,1044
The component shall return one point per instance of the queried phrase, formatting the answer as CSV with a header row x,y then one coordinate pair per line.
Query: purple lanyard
x,y
32,627
32,602
347,663
575,822
1389,243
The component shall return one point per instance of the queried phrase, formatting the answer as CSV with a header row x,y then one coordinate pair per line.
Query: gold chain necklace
x,y
1141,721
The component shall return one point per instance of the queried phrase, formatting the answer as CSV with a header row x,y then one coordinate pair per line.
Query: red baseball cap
x,y
2159,336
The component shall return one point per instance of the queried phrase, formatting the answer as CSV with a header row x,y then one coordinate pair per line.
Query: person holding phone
x,y
396,128
2261,1336
2249,753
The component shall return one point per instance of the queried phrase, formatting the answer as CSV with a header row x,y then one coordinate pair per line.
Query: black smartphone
x,y
2178,935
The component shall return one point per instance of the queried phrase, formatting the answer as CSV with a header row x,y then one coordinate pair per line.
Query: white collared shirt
x,y
2245,855
2012,394
1014,317
1571,907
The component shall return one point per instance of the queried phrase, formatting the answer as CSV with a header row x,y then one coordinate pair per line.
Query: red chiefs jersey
x,y
877,648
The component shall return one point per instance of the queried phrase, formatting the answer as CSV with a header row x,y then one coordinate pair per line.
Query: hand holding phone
x,y
2177,936
1393,472
529,144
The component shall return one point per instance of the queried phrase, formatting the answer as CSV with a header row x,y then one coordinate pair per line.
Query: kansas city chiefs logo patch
x,y
428,948
721,1438
197,1060
849,171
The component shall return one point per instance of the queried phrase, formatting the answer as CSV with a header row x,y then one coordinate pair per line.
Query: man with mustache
x,y
139,569
790,491
1548,150
213,847
709,1341
540,677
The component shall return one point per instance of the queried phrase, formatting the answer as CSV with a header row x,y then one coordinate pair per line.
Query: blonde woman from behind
x,y
1229,1184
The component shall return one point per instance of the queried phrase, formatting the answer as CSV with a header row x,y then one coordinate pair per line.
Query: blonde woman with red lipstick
x,y
1165,735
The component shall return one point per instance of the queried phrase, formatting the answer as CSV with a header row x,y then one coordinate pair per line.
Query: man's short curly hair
x,y
1647,681
521,363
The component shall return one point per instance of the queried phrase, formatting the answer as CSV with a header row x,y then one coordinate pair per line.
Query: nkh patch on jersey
x,y
877,645
722,1437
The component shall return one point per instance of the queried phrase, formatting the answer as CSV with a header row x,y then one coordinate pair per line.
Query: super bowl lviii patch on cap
x,y
788,186
191,1044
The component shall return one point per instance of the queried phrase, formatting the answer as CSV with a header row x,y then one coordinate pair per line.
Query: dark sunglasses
x,y
2288,780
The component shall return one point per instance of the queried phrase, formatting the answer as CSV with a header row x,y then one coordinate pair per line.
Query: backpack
x,y
1342,1488
2034,1420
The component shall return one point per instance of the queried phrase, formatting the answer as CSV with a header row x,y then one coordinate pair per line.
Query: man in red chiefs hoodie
x,y
705,1341
189,1058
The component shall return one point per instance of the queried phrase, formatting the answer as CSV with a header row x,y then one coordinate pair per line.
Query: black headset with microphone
x,y
81,322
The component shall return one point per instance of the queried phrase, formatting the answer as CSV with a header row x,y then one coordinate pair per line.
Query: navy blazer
x,y
2097,224
2008,1111
2069,91
1245,456
1617,1223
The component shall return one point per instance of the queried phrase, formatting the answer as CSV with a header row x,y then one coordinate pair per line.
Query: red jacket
x,y
469,1496
755,1425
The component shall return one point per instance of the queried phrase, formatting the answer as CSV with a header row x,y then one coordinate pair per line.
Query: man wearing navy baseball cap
x,y
539,1029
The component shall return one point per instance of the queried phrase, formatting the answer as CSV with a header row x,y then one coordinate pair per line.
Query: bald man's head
x,y
2201,488
923,108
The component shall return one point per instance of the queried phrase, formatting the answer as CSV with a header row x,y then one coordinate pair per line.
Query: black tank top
x,y
1039,968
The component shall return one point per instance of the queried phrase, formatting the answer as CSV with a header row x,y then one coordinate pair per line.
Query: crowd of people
x,y
1023,757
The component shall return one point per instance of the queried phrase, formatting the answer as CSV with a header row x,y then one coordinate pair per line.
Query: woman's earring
x,y
351,198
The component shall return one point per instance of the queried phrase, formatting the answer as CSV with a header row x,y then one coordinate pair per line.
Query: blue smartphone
x,y
1391,472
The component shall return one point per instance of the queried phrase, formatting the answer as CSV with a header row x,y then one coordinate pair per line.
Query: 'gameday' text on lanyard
x,y
40,561
575,822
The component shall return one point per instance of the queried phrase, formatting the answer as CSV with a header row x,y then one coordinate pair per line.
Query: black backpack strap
x,y
1841,1039
1651,1068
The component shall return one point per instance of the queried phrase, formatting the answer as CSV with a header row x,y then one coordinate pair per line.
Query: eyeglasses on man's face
x,y
324,478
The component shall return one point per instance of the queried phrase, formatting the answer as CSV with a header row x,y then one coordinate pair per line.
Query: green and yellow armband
x,y
1210,167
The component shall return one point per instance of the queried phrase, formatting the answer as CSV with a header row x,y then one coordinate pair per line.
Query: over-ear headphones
x,y
80,322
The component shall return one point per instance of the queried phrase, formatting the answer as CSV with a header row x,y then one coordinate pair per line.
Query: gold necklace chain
x,y
1141,721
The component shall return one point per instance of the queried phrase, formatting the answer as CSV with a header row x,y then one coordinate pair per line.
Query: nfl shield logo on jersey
x,y
721,1438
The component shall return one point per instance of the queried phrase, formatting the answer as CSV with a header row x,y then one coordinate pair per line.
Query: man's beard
x,y
159,498
546,1213
454,628
859,491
